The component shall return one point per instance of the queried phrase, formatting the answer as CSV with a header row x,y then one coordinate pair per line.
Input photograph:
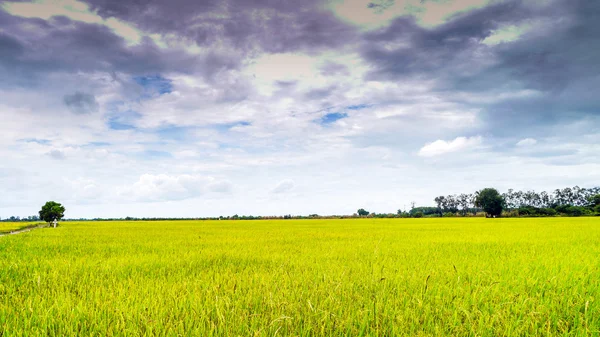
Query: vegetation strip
x,y
23,229
351,277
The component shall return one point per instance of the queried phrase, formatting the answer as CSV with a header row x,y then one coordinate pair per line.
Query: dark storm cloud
x,y
564,54
557,58
562,63
563,46
404,48
81,103
30,48
250,26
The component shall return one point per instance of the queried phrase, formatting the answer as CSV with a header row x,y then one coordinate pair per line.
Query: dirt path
x,y
24,230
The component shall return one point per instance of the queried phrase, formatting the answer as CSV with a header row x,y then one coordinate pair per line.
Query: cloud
x,y
274,27
506,34
527,142
183,101
283,186
74,10
57,154
221,186
68,49
542,53
440,147
151,187
81,103
370,14
330,68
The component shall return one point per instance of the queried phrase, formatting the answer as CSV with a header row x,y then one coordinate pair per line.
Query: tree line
x,y
572,201
31,218
569,201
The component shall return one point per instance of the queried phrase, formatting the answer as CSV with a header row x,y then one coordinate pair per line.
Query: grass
x,y
354,277
7,227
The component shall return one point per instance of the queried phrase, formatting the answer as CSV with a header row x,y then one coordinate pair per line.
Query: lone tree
x,y
52,211
362,212
491,201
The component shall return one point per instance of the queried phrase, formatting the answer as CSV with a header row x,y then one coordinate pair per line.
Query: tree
x,y
490,200
362,212
464,200
451,204
52,211
545,199
510,199
441,203
594,200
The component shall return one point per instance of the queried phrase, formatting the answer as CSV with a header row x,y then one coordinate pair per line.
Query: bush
x,y
572,210
548,211
424,210
418,215
510,214
527,211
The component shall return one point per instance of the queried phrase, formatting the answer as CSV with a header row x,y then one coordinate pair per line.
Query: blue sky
x,y
205,109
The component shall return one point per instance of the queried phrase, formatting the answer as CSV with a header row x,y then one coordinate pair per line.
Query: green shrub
x,y
510,214
573,210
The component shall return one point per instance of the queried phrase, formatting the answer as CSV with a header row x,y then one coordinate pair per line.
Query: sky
x,y
190,108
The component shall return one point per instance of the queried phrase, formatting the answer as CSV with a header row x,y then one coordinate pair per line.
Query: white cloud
x,y
284,186
165,187
440,147
223,186
57,154
527,142
506,34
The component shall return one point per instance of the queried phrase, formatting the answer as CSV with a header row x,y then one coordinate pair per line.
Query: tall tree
x,y
440,201
362,212
52,211
491,201
464,201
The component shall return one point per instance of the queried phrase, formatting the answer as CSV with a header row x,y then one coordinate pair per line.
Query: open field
x,y
387,277
7,227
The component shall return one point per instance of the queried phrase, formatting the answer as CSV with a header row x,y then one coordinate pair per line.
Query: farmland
x,y
353,277
7,227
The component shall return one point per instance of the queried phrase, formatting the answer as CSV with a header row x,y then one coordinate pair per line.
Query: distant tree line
x,y
570,201
31,218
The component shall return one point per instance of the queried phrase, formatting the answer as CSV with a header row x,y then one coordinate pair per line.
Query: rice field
x,y
7,227
352,277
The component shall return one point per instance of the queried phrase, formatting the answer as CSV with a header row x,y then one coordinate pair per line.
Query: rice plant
x,y
352,277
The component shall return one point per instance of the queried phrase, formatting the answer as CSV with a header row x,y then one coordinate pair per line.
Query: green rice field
x,y
7,227
352,277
